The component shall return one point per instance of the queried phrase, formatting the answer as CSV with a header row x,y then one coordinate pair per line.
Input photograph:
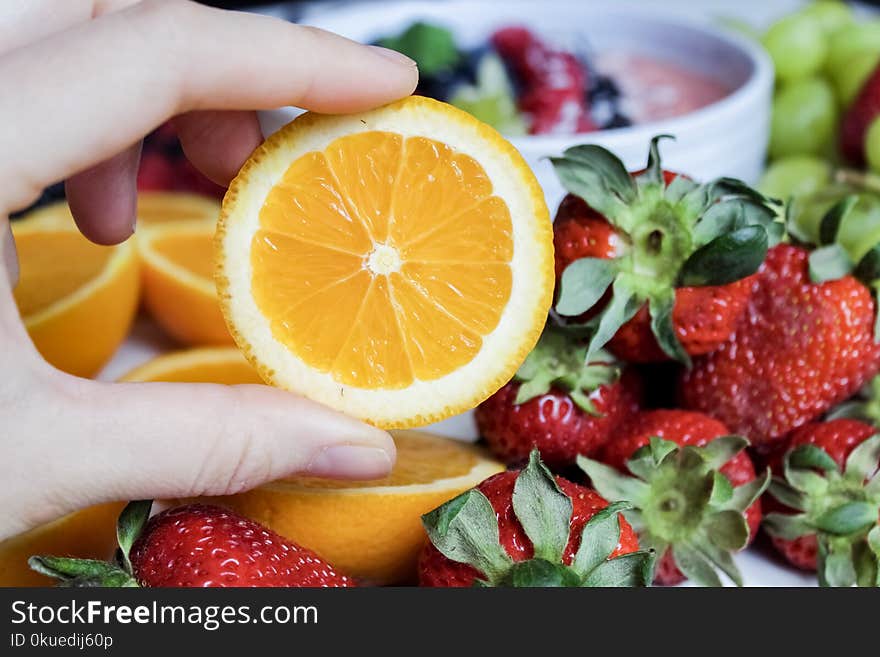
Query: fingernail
x,y
393,55
350,461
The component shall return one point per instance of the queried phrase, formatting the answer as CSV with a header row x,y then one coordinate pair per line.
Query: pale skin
x,y
84,81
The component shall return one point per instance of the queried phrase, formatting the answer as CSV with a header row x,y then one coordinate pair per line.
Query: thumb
x,y
155,440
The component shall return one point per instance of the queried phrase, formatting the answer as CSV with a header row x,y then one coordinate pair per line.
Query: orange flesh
x,y
382,260
193,252
53,266
419,461
230,373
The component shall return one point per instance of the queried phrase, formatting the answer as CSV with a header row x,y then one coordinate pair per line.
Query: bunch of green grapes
x,y
822,54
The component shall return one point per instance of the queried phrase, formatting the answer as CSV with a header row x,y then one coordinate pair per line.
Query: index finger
x,y
93,90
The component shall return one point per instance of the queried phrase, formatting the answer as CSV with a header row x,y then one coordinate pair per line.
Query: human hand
x,y
85,80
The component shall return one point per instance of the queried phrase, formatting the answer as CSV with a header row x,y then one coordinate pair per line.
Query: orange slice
x,y
370,529
77,299
396,264
179,293
202,365
86,534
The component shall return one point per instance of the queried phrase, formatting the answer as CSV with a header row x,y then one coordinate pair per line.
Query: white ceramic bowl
x,y
726,138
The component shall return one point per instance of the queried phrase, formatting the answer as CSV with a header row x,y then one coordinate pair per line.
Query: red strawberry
x,y
692,520
827,499
858,118
558,404
525,529
657,265
197,546
554,82
801,348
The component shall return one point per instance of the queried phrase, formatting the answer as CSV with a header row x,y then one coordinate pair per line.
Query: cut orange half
x,y
179,291
158,207
371,530
76,299
396,264
203,365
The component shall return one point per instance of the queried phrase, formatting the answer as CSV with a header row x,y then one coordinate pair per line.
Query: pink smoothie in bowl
x,y
652,89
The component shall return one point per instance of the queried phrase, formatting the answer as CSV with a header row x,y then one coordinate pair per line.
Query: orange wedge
x,y
371,529
86,534
179,292
202,365
396,264
77,299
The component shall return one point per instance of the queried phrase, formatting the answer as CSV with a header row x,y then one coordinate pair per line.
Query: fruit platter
x,y
608,353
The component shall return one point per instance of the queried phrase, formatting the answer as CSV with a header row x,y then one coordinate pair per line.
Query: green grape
x,y
804,118
860,229
850,41
849,78
796,45
798,175
831,15
872,145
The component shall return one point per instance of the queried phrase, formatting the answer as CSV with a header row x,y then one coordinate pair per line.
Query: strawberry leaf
x,y
719,451
695,565
129,526
745,495
660,306
829,227
721,558
863,461
788,527
583,283
625,303
542,509
727,530
465,530
633,569
82,572
599,538
787,494
848,518
613,485
727,258
597,176
653,173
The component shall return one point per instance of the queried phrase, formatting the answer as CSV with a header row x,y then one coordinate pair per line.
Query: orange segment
x,y
372,356
479,233
77,299
366,167
392,264
308,205
474,294
372,529
435,341
192,252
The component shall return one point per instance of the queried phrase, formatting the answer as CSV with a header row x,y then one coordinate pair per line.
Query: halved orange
x,y
179,292
395,264
201,365
157,207
370,529
77,299
86,534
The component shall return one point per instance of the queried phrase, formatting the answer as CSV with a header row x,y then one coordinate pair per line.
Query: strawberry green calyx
x,y
681,502
683,234
560,361
93,573
841,507
465,530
